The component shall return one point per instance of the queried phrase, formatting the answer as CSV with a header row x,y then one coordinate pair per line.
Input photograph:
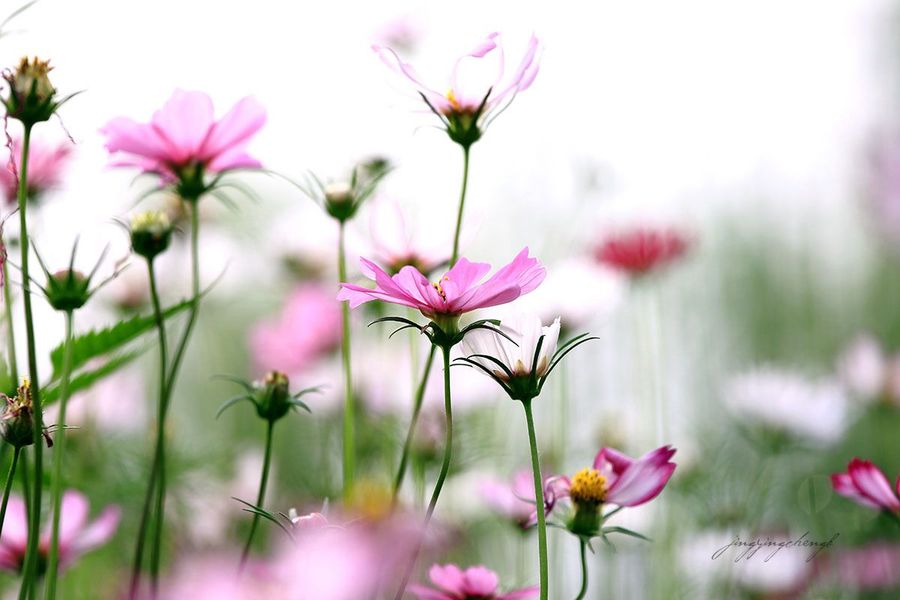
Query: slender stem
x,y
462,203
26,491
142,532
59,451
10,330
417,408
584,571
8,486
267,461
30,573
349,437
539,502
445,468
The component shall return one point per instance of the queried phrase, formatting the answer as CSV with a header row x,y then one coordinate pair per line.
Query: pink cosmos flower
x,y
477,87
46,163
513,501
641,250
183,137
459,291
76,536
616,479
308,327
869,567
475,583
865,484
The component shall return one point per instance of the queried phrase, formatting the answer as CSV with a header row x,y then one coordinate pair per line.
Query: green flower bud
x,y
272,397
18,418
32,98
340,200
151,233
67,290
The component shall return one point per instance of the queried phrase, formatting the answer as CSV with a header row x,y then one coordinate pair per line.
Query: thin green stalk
x,y
26,492
8,486
142,531
584,571
30,574
417,408
10,330
539,502
462,203
445,468
267,461
59,451
349,437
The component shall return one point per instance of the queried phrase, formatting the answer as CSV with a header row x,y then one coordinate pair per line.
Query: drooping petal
x,y
96,534
843,485
396,64
523,76
232,159
873,484
474,75
644,479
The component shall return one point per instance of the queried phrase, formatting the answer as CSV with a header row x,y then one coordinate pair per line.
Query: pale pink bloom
x,y
474,583
626,481
512,500
865,484
459,291
46,164
216,577
184,134
308,327
869,567
76,535
863,367
478,78
641,250
115,405
395,243
884,183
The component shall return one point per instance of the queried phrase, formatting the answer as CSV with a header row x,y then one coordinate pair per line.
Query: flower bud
x,y
32,98
273,398
18,418
339,200
151,233
67,290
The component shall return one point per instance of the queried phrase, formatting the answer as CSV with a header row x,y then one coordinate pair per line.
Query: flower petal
x,y
232,131
644,479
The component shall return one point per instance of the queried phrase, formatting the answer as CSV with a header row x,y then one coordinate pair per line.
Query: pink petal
x,y
529,592
480,581
479,76
462,276
424,593
644,479
449,578
843,485
872,483
616,459
232,159
525,73
15,525
234,129
184,121
73,513
396,64
125,135
97,533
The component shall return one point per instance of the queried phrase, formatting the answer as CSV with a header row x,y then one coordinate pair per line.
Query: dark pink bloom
x,y
478,84
46,164
617,479
184,135
641,250
865,484
308,327
76,536
459,291
475,583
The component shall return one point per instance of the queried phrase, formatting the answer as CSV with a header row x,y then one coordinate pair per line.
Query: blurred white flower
x,y
863,367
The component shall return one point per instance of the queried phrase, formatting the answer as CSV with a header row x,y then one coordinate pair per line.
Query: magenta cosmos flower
x,y
478,87
183,141
308,327
641,250
865,484
76,535
475,583
459,291
46,164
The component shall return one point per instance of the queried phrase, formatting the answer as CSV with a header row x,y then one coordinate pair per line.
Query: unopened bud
x,y
273,396
32,98
151,233
67,290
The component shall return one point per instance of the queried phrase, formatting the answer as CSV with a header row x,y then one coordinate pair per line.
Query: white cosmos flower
x,y
524,330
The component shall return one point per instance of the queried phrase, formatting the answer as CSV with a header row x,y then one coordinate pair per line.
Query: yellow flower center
x,y
440,290
588,486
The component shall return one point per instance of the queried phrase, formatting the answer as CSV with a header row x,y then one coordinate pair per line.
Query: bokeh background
x,y
765,132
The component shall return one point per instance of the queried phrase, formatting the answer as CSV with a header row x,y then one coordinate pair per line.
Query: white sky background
x,y
676,107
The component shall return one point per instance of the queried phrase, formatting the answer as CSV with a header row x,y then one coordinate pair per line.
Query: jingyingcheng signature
x,y
771,546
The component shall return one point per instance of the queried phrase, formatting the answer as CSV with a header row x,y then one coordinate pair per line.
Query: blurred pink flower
x,y
475,583
869,567
641,250
459,291
394,240
616,479
216,577
46,163
865,484
513,501
184,136
76,536
477,87
308,327
402,32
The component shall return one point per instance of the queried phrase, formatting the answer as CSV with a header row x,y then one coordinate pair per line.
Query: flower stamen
x,y
588,487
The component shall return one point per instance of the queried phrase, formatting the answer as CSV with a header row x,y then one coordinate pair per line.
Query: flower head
x,y
32,98
18,417
270,396
46,163
458,291
69,289
866,484
341,199
151,232
77,536
641,250
474,583
472,97
183,142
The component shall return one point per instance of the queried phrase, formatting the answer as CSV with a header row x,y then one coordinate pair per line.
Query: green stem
x,y
417,408
26,492
59,451
142,532
267,461
30,573
10,330
442,476
539,501
349,437
8,486
584,571
462,203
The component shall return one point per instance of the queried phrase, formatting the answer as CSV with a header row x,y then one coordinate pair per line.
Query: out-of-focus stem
x,y
410,434
349,435
8,486
267,461
584,571
10,330
539,502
